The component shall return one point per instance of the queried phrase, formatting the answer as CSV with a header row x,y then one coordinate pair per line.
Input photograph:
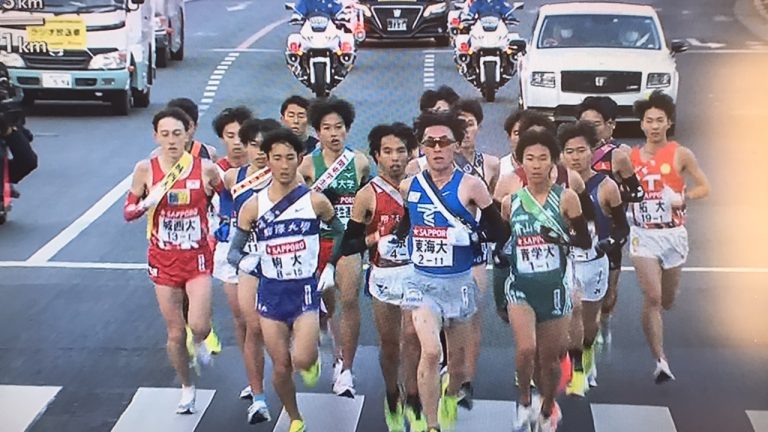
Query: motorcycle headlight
x,y
111,60
543,79
319,23
11,60
434,9
659,80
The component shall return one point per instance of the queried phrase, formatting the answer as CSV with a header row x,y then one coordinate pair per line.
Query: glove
x,y
154,197
500,259
249,262
222,232
327,279
458,236
607,245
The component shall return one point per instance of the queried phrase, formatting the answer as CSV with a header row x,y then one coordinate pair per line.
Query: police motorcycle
x,y
12,116
321,55
458,8
487,56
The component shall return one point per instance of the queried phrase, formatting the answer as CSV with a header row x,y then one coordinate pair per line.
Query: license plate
x,y
57,80
397,24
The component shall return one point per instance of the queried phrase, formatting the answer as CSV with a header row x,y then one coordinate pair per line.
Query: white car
x,y
588,49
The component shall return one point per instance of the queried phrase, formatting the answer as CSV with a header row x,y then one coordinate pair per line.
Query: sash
x,y
470,168
158,191
430,188
333,171
601,152
533,207
388,189
251,181
281,206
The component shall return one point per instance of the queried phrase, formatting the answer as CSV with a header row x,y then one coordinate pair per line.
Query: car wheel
x,y
121,103
141,99
443,40
178,55
162,56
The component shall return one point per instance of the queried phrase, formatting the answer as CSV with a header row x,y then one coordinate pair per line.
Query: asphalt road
x,y
96,332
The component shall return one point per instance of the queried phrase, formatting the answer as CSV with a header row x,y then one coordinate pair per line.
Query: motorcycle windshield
x,y
489,23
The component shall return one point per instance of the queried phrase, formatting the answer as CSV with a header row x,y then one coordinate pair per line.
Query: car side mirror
x,y
137,2
290,6
518,45
518,5
678,46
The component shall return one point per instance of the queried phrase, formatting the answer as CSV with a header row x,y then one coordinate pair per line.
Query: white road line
x,y
214,82
234,54
222,67
153,410
21,406
209,94
211,88
759,420
202,108
315,408
487,415
226,62
630,418
206,100
69,233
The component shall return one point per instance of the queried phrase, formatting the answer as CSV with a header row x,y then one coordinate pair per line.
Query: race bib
x,y
534,255
183,231
344,208
654,209
287,259
579,254
392,249
431,247
251,246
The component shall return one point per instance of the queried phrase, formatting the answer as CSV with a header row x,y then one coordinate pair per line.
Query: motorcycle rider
x,y
479,8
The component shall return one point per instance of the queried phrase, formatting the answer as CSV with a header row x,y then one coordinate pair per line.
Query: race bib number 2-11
x,y
431,247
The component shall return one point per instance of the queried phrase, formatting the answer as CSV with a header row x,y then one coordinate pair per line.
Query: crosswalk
x,y
152,410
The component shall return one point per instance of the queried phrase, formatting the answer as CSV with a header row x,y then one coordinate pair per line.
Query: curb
x,y
753,14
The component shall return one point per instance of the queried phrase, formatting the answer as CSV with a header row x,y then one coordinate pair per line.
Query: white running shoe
x,y
592,376
663,373
246,393
338,365
525,417
258,412
344,385
203,355
549,424
187,402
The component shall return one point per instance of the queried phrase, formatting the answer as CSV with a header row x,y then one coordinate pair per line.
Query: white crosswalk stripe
x,y
759,420
487,415
153,410
632,418
314,408
20,406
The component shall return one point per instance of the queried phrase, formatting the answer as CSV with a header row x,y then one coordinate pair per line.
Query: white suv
x,y
608,49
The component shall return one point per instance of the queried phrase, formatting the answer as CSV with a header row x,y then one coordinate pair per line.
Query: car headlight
x,y
11,60
435,9
659,80
111,60
543,79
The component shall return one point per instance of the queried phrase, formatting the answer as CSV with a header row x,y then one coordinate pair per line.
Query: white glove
x,y
249,262
327,278
154,197
458,236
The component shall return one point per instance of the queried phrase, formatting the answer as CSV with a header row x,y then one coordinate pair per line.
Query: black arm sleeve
x,y
582,238
404,227
587,208
353,241
620,229
497,204
24,158
631,189
237,242
337,232
492,226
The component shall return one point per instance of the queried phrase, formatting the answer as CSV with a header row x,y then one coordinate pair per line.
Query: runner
x,y
286,219
601,111
440,100
442,231
293,115
175,188
539,304
507,164
609,231
195,147
377,210
241,183
658,242
338,172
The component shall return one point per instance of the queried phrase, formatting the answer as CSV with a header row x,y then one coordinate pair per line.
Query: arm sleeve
x,y
236,244
24,158
632,190
587,207
353,241
337,232
131,209
620,229
492,226
581,239
404,227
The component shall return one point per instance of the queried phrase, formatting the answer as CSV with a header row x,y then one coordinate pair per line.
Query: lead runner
x,y
175,188
286,219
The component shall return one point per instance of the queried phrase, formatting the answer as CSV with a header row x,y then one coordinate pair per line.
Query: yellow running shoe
x,y
416,419
297,426
312,375
212,342
448,411
578,384
588,359
395,420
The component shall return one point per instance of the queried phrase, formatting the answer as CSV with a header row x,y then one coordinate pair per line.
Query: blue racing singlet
x,y
431,244
602,221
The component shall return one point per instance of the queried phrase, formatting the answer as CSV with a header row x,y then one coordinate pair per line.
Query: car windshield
x,y
83,5
599,31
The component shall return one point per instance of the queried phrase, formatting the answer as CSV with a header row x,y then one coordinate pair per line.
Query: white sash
x,y
388,188
439,204
334,171
259,177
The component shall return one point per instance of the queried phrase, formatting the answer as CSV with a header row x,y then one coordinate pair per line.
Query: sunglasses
x,y
441,142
